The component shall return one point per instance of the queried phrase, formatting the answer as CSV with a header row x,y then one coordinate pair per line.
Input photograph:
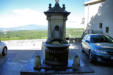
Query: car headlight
x,y
100,51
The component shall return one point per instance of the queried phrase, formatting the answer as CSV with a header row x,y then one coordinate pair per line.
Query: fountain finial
x,y
57,1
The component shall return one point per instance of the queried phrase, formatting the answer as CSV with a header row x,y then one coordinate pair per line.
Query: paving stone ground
x,y
16,60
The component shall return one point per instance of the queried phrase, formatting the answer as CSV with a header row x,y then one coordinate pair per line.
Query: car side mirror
x,y
87,41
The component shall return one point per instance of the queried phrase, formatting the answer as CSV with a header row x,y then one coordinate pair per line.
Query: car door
x,y
84,43
87,44
0,47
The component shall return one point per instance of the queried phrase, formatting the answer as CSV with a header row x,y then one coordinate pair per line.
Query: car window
x,y
110,39
88,38
101,38
85,37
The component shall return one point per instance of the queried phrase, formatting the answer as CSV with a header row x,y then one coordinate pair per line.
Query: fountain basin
x,y
56,54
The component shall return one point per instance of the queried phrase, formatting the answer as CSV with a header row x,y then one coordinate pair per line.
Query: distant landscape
x,y
37,34
26,27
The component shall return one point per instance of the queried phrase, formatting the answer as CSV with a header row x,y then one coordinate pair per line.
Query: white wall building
x,y
99,16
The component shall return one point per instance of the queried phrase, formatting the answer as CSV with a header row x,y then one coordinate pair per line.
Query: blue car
x,y
99,47
3,48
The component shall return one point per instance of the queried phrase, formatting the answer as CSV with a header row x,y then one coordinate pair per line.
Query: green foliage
x,y
37,34
74,32
24,34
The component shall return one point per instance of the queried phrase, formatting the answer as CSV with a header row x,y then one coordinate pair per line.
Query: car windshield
x,y
101,39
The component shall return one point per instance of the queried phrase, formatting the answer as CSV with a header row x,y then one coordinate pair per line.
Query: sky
x,y
15,13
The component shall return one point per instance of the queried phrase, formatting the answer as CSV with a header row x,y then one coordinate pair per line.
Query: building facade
x,y
99,17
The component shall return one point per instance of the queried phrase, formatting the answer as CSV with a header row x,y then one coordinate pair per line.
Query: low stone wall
x,y
34,44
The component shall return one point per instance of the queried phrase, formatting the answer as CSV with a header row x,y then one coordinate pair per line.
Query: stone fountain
x,y
56,47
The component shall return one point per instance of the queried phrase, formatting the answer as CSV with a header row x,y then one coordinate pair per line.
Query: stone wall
x,y
99,13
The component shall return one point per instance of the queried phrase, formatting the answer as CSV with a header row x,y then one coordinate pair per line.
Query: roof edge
x,y
93,2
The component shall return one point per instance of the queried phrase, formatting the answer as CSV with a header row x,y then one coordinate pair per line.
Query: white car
x,y
3,48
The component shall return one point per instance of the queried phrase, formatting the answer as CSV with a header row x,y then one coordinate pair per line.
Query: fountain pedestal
x,y
56,54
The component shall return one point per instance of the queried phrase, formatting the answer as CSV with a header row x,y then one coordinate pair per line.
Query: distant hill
x,y
26,27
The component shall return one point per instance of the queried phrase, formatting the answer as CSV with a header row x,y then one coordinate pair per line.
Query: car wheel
x,y
90,57
4,52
